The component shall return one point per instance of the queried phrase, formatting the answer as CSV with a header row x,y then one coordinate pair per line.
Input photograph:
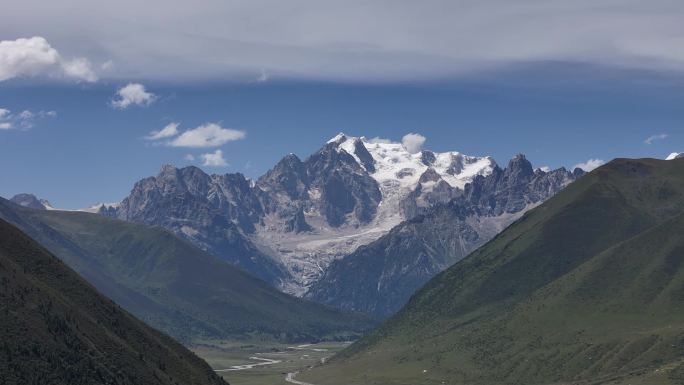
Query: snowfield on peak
x,y
394,163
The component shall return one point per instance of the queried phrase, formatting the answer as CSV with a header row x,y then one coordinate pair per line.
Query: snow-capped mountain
x,y
379,278
350,193
290,224
675,155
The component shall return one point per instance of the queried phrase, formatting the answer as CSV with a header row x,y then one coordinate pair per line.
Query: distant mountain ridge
x,y
55,328
380,277
30,200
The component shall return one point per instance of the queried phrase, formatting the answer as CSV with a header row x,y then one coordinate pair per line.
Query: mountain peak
x,y
339,138
675,155
290,158
167,168
520,165
31,201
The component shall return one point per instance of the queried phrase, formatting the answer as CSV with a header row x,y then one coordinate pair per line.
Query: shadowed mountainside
x,y
174,286
55,328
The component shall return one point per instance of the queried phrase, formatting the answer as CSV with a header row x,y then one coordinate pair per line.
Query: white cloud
x,y
545,168
653,138
168,131
589,164
413,142
133,94
79,68
207,135
26,114
215,159
36,57
24,120
189,157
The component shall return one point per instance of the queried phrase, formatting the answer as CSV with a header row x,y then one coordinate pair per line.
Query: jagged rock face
x,y
329,182
214,212
365,157
29,200
344,186
288,177
427,157
515,188
380,278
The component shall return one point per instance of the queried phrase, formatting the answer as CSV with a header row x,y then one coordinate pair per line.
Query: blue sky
x,y
238,84
93,152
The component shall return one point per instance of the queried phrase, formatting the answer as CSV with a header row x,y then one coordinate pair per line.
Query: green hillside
x,y
587,288
175,287
55,328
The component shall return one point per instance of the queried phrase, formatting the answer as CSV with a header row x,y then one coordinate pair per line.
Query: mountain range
x,y
585,288
55,328
288,226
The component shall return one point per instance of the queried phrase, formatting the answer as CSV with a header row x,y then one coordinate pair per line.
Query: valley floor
x,y
262,363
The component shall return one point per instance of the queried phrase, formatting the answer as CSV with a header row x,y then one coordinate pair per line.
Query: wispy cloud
x,y
133,94
168,131
214,159
207,135
654,138
378,139
23,120
263,77
36,57
589,164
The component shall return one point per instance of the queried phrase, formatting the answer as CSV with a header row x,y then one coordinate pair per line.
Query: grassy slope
x,y
587,286
174,286
56,329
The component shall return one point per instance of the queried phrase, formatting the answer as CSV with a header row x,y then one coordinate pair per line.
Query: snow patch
x,y
97,206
